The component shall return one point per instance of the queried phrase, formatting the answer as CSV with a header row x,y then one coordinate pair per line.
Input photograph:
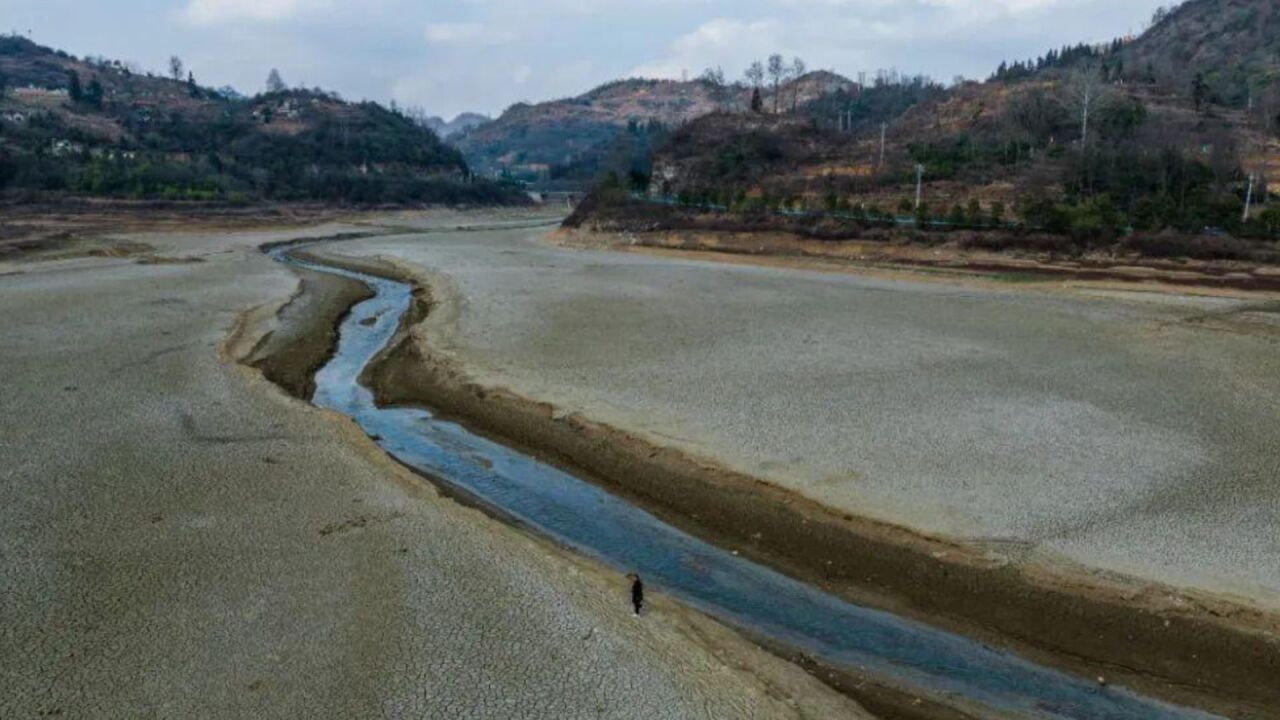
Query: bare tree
x,y
1224,158
1035,118
796,72
175,68
777,73
713,79
275,83
418,115
1086,93
713,76
755,74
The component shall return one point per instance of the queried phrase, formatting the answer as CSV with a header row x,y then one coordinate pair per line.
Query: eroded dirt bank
x,y
305,333
1193,650
952,259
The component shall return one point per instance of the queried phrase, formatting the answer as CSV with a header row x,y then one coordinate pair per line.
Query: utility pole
x,y
883,128
1248,199
919,183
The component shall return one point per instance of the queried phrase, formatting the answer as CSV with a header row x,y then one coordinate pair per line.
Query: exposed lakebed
x,y
893,650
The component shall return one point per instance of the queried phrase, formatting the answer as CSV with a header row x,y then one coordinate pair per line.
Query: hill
x,y
1081,150
1232,45
100,127
526,141
614,126
803,91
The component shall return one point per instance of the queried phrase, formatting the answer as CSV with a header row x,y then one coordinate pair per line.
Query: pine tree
x,y
93,94
74,90
275,83
1199,91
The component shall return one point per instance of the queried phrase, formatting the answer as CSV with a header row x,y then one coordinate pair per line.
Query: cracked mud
x,y
163,556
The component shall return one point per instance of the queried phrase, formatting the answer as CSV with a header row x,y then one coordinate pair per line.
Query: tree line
x,y
775,73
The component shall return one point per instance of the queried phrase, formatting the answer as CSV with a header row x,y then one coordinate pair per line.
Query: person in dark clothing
x,y
637,592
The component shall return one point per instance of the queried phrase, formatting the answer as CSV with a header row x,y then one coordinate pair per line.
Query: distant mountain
x,y
462,123
527,140
103,128
576,136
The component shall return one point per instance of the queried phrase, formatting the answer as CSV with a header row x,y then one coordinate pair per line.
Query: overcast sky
x,y
483,55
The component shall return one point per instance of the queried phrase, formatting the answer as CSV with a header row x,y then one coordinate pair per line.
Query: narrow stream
x,y
900,652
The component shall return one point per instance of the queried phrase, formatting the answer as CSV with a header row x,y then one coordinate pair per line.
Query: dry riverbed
x,y
180,538
1084,473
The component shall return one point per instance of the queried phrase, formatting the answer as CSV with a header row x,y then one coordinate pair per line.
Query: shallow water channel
x,y
899,652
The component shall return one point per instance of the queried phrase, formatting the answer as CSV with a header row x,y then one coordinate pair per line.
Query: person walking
x,y
637,592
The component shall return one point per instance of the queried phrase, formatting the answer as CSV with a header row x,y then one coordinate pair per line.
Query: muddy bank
x,y
35,230
304,332
305,335
951,259
1196,651
808,234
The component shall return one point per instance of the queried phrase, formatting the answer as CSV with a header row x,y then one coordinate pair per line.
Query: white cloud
x,y
216,12
444,33
467,33
454,55
722,41
942,38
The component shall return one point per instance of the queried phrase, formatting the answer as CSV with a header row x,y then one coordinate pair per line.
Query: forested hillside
x,y
1092,144
1229,48
99,127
